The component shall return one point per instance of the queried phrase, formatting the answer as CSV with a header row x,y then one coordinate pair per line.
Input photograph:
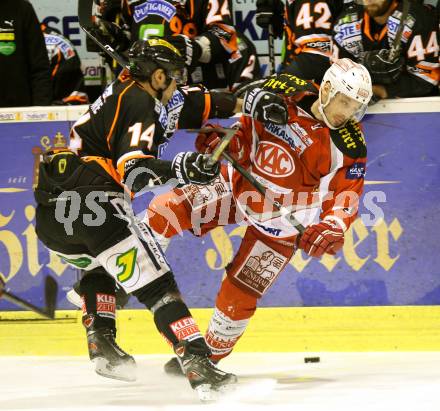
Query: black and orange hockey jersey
x,y
193,18
126,123
356,32
307,36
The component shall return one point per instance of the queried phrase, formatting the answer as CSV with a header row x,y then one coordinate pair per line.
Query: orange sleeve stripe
x,y
57,66
128,7
432,72
121,166
207,109
311,40
192,9
115,118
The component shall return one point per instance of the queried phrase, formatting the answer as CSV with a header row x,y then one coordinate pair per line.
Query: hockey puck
x,y
312,359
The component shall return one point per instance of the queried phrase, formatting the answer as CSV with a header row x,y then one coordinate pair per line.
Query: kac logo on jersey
x,y
356,171
274,160
158,7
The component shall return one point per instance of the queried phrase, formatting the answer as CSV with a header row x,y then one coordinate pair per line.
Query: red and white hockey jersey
x,y
316,172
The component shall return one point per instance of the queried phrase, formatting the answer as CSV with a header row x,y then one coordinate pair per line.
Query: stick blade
x,y
85,12
50,294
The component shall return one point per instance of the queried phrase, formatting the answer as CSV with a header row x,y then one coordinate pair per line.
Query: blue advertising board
x,y
395,261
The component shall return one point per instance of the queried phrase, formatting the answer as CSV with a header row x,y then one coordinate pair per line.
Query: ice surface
x,y
281,381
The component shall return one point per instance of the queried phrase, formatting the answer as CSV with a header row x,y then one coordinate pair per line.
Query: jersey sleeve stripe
x,y
207,109
115,118
127,157
337,161
430,75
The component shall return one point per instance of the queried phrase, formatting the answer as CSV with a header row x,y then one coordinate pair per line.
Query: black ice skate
x,y
109,359
172,367
202,374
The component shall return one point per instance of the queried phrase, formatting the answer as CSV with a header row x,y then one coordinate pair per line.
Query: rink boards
x,y
383,288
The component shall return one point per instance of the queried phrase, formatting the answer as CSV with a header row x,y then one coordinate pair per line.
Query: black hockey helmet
x,y
146,56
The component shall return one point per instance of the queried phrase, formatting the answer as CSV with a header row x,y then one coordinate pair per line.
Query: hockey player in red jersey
x,y
314,166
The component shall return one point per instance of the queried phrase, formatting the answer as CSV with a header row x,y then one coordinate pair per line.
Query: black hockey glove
x,y
382,71
265,106
109,8
111,33
191,168
271,12
191,50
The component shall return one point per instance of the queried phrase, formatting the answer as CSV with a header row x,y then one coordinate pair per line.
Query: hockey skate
x,y
172,367
205,378
109,359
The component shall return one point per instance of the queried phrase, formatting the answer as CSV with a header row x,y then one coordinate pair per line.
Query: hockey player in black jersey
x,y
365,32
217,55
123,131
306,29
117,144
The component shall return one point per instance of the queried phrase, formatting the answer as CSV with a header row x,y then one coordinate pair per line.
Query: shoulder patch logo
x,y
356,171
158,7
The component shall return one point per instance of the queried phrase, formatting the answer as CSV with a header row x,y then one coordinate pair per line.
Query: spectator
x,y
65,69
24,66
217,56
307,30
365,33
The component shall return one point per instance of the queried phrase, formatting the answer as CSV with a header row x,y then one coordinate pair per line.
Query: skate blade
x,y
123,372
213,393
74,298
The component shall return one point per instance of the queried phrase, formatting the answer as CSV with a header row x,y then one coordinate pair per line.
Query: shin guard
x,y
232,313
97,290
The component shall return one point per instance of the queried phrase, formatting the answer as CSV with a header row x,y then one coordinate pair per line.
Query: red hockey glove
x,y
325,237
206,143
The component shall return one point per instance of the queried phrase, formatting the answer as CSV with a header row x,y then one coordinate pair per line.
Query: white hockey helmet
x,y
350,78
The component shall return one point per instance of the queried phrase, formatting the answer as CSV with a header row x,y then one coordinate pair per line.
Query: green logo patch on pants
x,y
7,48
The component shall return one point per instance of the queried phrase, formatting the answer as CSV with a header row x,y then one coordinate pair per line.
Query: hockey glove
x,y
109,8
191,168
207,142
112,34
325,237
265,106
270,12
382,70
190,50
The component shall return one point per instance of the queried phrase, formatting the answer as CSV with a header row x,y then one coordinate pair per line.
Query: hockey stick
x,y
262,190
50,296
219,151
221,147
270,44
86,24
397,43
